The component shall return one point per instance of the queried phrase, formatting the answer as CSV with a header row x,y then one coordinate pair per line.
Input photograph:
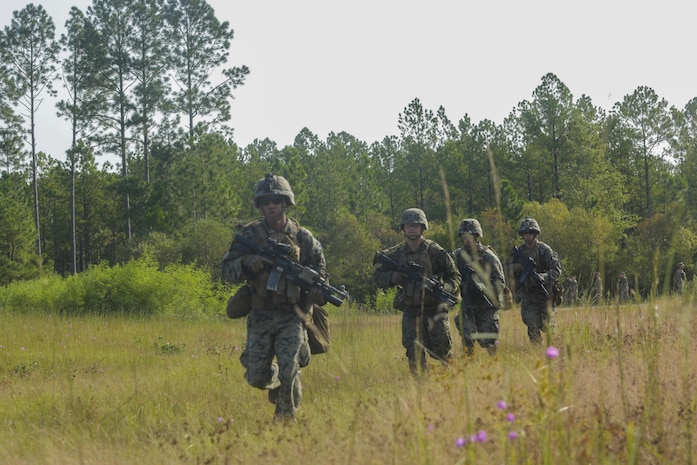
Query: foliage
x,y
349,254
135,288
28,56
148,84
199,45
203,243
160,247
658,244
17,260
384,299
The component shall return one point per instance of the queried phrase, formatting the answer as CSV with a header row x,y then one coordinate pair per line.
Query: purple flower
x,y
221,419
460,442
501,405
479,437
512,435
510,417
552,352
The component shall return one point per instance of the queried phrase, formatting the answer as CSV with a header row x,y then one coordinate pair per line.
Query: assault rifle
x,y
432,286
467,272
529,269
282,266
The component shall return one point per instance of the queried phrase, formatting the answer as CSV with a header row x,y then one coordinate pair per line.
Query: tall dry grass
x,y
117,390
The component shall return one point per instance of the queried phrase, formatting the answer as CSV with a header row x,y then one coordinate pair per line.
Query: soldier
x,y
571,290
597,293
482,289
425,319
538,267
679,278
276,321
623,288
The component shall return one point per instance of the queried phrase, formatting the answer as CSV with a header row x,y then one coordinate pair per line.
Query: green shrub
x,y
384,299
31,295
134,288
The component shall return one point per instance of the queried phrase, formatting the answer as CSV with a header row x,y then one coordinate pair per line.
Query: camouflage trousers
x,y
476,320
538,316
427,333
278,333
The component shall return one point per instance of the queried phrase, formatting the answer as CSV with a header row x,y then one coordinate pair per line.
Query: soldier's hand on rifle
x,y
254,263
427,284
481,287
316,296
398,278
447,287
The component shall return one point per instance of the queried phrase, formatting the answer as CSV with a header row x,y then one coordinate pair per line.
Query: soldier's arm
x,y
551,263
232,269
450,273
382,277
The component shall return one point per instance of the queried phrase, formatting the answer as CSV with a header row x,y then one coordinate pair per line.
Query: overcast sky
x,y
355,65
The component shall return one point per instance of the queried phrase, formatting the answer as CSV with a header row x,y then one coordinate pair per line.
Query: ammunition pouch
x,y
239,305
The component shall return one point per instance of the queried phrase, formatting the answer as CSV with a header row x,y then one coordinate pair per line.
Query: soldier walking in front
x,y
276,344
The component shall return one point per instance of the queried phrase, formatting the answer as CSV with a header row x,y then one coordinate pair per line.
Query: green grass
x,y
165,390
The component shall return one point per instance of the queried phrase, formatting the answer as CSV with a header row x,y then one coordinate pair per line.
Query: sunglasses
x,y
528,231
275,200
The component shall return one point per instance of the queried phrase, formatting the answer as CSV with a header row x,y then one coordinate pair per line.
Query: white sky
x,y
355,65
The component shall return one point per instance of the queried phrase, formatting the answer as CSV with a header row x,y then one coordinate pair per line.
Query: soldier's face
x,y
412,230
467,239
272,207
529,237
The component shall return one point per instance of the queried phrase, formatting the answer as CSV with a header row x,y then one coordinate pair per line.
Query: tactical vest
x,y
554,288
423,257
286,293
533,252
462,257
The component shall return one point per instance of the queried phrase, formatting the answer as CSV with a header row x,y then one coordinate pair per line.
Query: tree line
x,y
147,82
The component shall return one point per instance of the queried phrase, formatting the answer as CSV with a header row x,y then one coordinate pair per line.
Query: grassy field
x,y
110,390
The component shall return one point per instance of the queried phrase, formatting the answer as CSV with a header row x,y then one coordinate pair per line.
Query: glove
x,y
481,287
398,278
254,263
316,297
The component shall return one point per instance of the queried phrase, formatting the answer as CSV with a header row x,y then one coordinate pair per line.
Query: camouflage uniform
x,y
486,271
679,278
427,331
275,324
597,294
534,304
571,290
623,288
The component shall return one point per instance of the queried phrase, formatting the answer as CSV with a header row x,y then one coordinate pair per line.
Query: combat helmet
x,y
529,224
413,216
471,226
273,185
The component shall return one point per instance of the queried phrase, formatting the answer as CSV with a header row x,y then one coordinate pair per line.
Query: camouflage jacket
x,y
305,249
436,262
487,270
547,264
